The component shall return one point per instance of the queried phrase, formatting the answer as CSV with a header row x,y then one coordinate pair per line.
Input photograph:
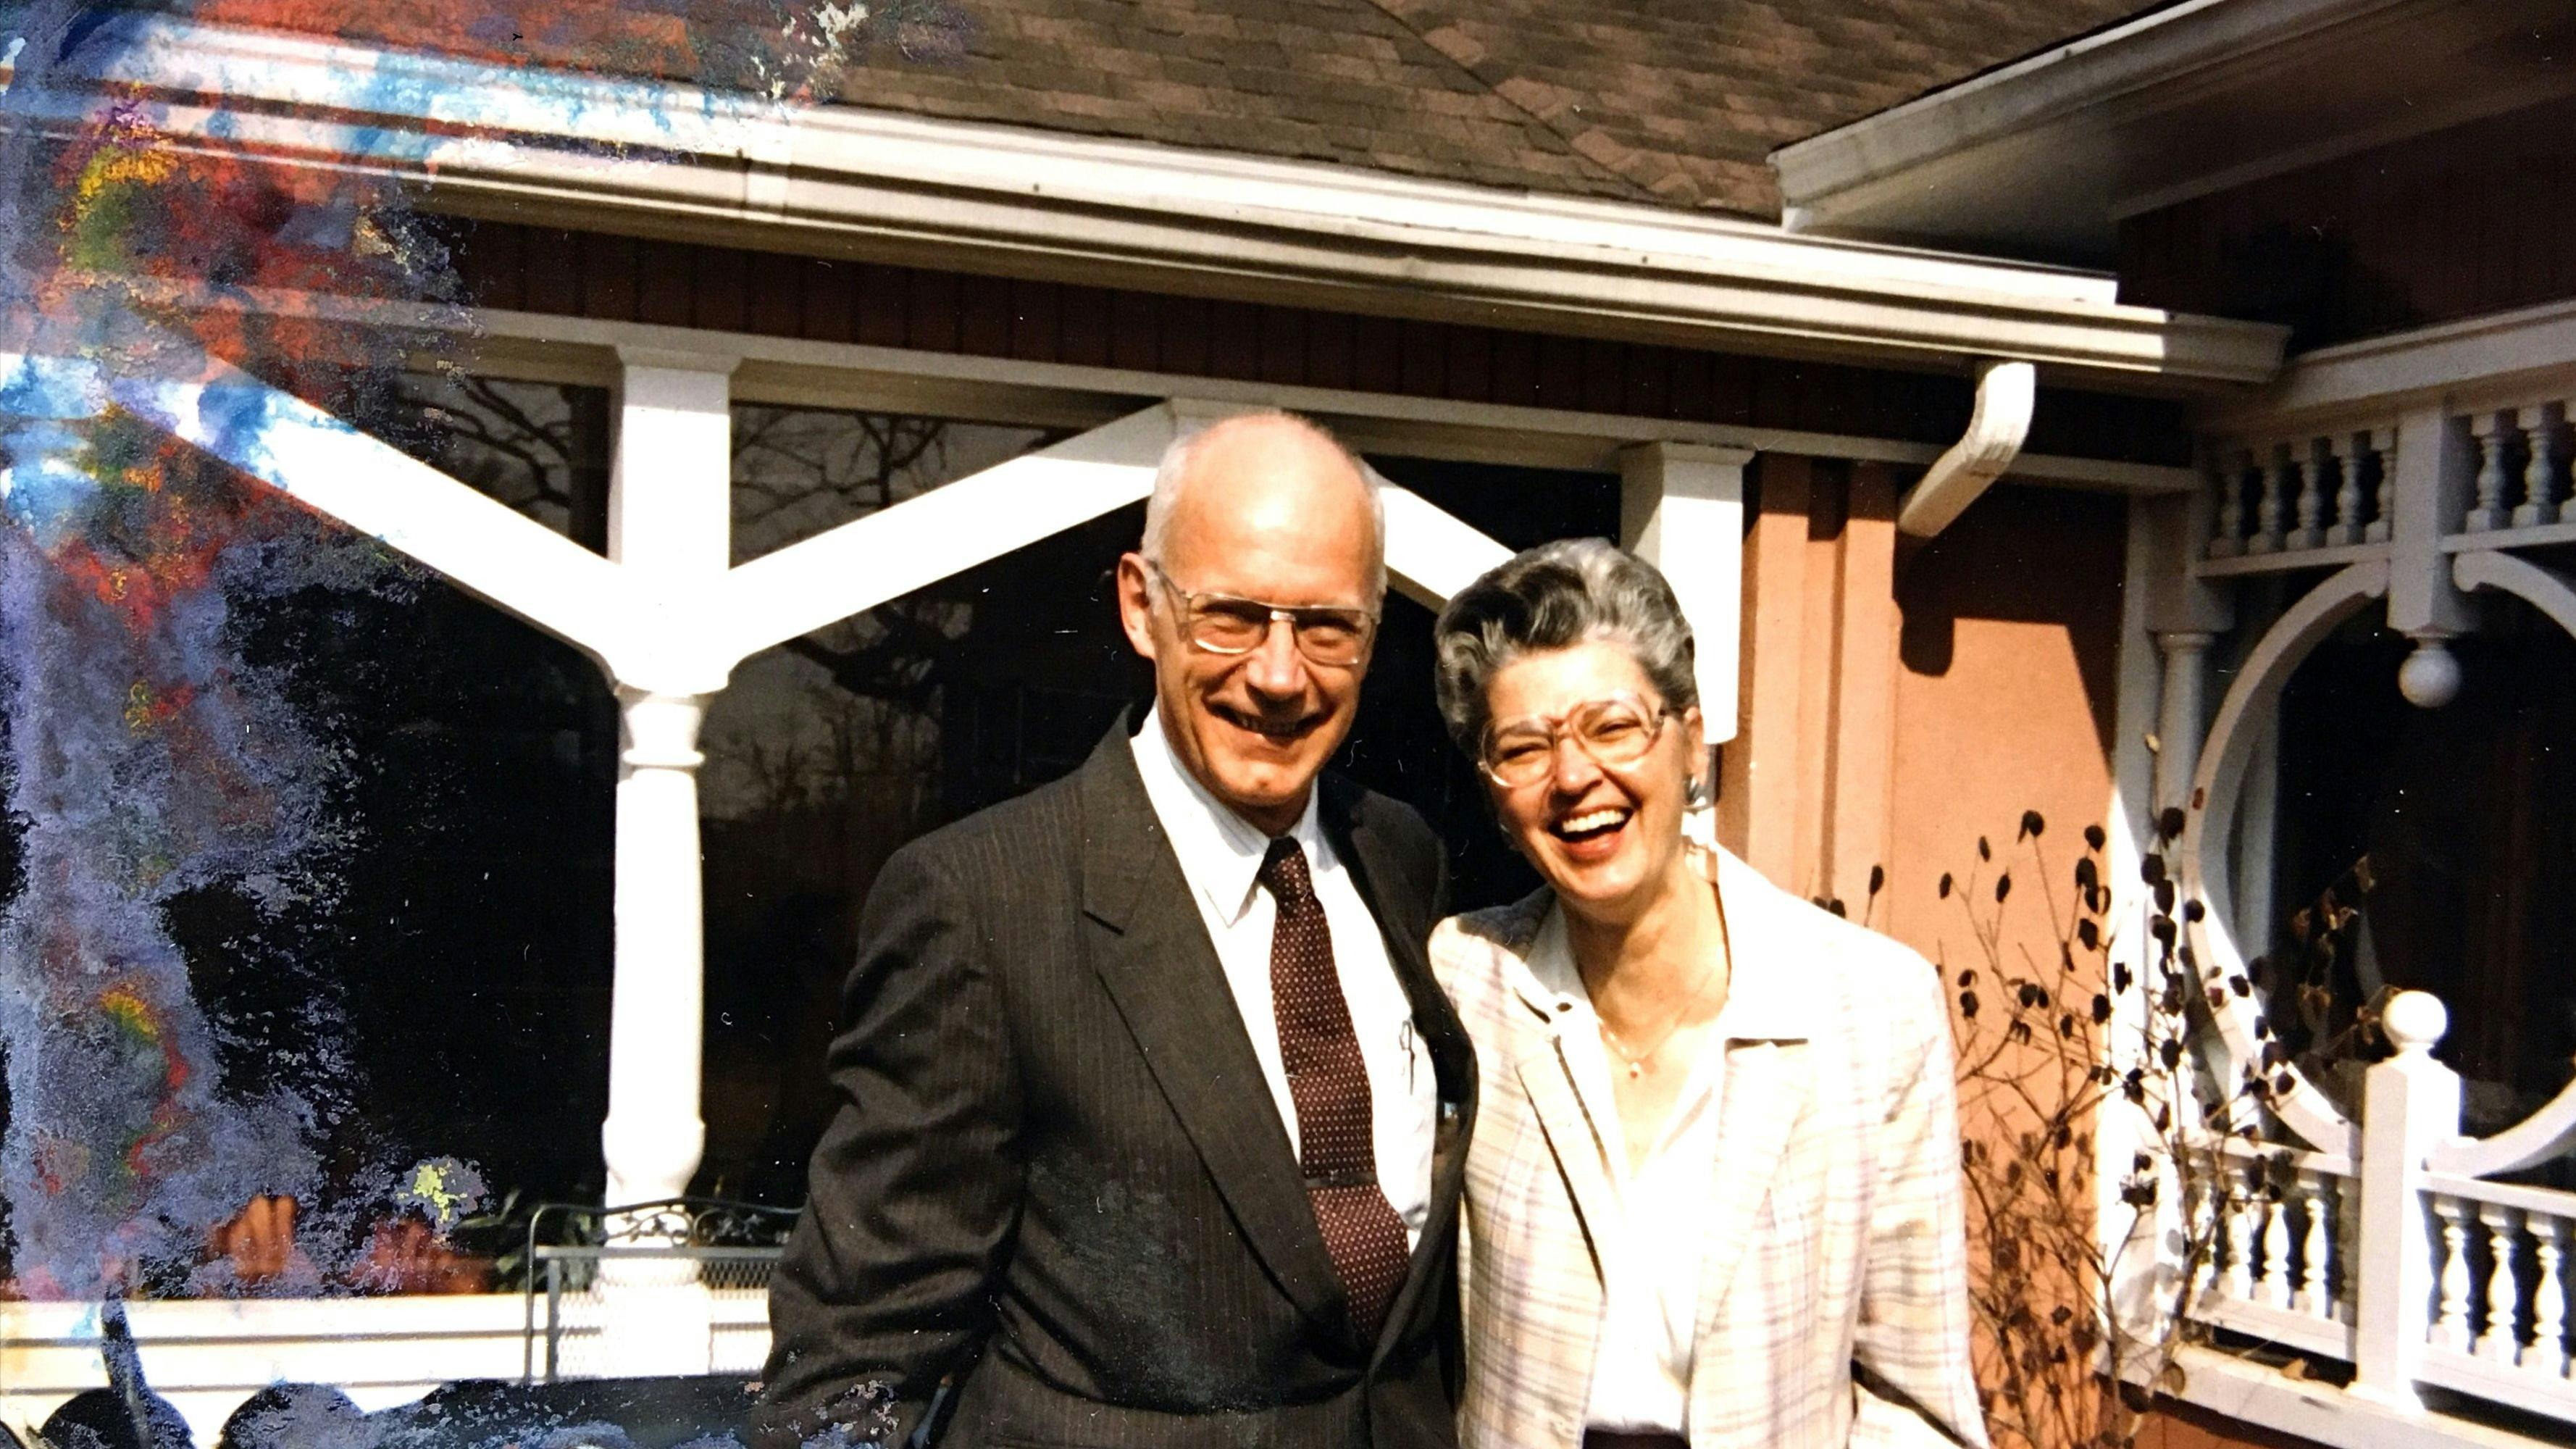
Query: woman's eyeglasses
x,y
1223,624
1615,731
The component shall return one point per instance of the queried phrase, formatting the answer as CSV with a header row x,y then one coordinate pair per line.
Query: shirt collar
x,y
1762,1001
1220,852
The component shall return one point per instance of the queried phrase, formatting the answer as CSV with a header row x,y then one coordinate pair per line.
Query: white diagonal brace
x,y
1431,554
890,553
375,488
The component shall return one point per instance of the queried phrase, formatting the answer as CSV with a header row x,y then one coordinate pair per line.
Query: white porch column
x,y
1681,508
653,1136
2185,615
2181,713
670,510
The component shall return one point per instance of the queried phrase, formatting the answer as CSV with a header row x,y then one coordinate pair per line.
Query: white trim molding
x,y
679,161
801,372
2455,364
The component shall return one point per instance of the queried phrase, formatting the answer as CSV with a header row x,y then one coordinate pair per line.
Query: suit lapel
x,y
1573,1138
1153,954
1766,1093
1769,1075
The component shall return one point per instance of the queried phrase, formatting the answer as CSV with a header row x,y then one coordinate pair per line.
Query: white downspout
x,y
1996,430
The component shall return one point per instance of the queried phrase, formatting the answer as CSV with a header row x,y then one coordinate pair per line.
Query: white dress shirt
x,y
1650,1263
1220,854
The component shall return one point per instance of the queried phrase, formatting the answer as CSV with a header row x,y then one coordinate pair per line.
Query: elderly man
x,y
1151,1115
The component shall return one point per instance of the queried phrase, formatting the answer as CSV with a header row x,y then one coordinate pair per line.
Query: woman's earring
x,y
1695,794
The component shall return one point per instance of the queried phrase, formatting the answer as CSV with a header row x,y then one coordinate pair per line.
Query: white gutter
x,y
676,160
1997,427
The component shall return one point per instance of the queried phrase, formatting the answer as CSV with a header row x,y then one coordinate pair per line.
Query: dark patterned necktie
x,y
1336,1148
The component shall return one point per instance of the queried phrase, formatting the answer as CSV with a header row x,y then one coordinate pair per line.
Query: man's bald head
x,y
1263,518
1263,453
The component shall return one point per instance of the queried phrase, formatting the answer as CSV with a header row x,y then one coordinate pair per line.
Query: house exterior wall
x,y
2462,222
2003,701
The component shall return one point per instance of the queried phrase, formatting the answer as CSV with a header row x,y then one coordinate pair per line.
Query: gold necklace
x,y
1637,1060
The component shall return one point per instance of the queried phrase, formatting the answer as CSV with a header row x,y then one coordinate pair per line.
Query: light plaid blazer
x,y
1837,1235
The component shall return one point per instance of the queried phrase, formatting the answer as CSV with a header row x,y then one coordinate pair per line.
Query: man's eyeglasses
x,y
1223,624
1615,731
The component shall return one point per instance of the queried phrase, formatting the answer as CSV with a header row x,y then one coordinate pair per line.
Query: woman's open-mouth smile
x,y
1593,834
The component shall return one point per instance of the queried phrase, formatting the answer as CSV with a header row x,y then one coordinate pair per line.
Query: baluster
x,y
2547,1350
2345,1285
2314,1298
2504,1235
2490,430
2344,452
2230,473
2202,1205
2268,537
2275,1249
2540,473
2381,446
2237,1282
2451,1320
2308,465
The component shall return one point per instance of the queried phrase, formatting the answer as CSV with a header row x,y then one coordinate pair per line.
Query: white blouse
x,y
1651,1262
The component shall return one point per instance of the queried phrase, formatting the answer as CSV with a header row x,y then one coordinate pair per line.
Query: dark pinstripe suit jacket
x,y
1057,1182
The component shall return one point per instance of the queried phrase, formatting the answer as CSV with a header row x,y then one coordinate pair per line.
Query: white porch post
x,y
653,1136
2185,615
2182,708
669,530
1681,508
2410,1105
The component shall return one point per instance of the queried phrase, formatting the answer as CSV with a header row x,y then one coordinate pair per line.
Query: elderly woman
x,y
1713,1197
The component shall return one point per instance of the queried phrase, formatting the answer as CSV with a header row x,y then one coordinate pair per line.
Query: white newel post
x,y
669,526
2410,1105
1681,508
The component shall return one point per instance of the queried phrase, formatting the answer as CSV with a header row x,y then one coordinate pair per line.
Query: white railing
x,y
2500,1315
2302,493
207,1355
2521,457
2408,1262
2280,1224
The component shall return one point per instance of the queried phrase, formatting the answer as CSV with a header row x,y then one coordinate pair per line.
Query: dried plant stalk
x,y
2083,1298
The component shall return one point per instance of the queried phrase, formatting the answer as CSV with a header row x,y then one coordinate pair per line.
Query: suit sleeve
x,y
1911,1346
885,1288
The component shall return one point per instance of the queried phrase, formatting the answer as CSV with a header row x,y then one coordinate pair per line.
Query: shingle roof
x,y
1669,101
1675,102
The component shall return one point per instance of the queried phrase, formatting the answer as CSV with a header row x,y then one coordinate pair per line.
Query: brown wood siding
x,y
594,274
2466,221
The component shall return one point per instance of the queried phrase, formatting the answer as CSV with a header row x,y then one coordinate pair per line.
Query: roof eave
x,y
2045,156
661,159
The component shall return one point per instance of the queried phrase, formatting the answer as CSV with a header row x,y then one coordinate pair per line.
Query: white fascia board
x,y
686,161
2459,365
799,371
2075,80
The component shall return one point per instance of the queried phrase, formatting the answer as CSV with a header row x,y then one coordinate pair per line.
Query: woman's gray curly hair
x,y
1555,596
